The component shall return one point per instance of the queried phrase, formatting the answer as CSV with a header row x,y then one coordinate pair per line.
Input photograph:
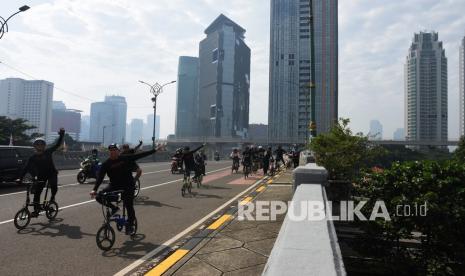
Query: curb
x,y
172,258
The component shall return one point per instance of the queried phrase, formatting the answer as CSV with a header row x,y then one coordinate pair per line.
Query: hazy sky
x,y
94,48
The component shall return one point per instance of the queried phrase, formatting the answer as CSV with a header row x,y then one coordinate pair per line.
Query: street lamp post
x,y
156,89
4,21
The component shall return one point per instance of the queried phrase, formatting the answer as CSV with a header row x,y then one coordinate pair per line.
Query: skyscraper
x,y
137,128
425,75
376,130
29,100
462,87
85,128
148,129
399,134
70,119
108,116
290,68
224,80
187,97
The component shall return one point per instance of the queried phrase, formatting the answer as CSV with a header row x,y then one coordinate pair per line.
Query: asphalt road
x,y
67,245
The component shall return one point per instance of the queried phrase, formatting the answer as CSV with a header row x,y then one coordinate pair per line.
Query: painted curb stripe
x,y
246,200
168,262
219,222
175,257
269,181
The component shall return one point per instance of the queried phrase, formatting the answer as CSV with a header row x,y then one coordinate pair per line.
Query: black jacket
x,y
42,165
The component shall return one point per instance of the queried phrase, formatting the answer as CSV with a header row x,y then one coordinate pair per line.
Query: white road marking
x,y
144,188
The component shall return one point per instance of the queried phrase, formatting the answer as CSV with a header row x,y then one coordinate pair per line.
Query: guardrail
x,y
309,246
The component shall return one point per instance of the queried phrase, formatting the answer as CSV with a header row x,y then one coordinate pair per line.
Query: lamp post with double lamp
x,y
4,21
156,89
103,134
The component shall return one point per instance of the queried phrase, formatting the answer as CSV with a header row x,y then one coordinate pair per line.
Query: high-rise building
x,y
376,130
137,129
85,128
148,129
108,118
289,110
425,75
462,87
29,100
258,132
399,134
224,80
187,97
70,119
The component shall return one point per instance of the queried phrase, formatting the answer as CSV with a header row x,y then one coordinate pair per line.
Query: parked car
x,y
12,161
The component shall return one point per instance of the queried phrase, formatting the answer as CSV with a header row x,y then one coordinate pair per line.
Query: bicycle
x,y
23,216
187,185
235,166
105,237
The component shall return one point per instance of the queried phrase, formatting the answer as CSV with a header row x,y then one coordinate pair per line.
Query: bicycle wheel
x,y
81,177
51,211
183,189
22,218
189,187
105,237
137,188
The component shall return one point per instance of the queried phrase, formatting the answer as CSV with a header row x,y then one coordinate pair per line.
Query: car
x,y
12,161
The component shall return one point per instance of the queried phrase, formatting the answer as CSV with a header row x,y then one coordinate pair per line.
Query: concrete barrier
x,y
308,246
310,173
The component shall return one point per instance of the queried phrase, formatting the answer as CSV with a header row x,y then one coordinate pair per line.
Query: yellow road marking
x,y
219,222
270,181
246,200
167,263
261,189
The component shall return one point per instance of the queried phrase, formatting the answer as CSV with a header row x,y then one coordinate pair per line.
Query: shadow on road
x,y
54,229
132,248
145,201
199,195
207,186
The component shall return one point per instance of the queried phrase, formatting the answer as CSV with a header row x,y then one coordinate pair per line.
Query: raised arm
x,y
134,157
58,143
138,146
197,149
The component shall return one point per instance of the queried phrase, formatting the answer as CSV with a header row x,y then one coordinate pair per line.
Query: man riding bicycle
x,y
247,158
236,157
188,160
119,170
41,166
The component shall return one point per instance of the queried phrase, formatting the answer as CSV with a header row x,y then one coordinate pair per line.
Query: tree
x,y
342,153
16,128
459,153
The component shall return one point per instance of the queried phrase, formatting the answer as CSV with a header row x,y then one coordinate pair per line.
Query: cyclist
x,y
118,168
204,157
247,158
236,157
40,165
266,160
279,156
178,158
199,165
188,160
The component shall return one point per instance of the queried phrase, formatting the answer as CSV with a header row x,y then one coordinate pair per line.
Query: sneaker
x,y
129,230
34,214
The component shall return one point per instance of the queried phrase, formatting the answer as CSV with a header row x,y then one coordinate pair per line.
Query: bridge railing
x,y
309,246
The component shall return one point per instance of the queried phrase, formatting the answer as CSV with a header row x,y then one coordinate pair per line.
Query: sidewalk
x,y
234,247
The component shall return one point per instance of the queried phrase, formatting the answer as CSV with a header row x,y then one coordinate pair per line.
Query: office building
x,y
187,100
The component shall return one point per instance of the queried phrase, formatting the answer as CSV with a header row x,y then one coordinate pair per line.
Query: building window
x,y
291,56
291,62
215,55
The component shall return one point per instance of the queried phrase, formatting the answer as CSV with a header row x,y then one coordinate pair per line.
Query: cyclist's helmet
x,y
113,147
39,141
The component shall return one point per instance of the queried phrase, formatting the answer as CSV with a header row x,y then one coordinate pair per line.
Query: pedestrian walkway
x,y
234,247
